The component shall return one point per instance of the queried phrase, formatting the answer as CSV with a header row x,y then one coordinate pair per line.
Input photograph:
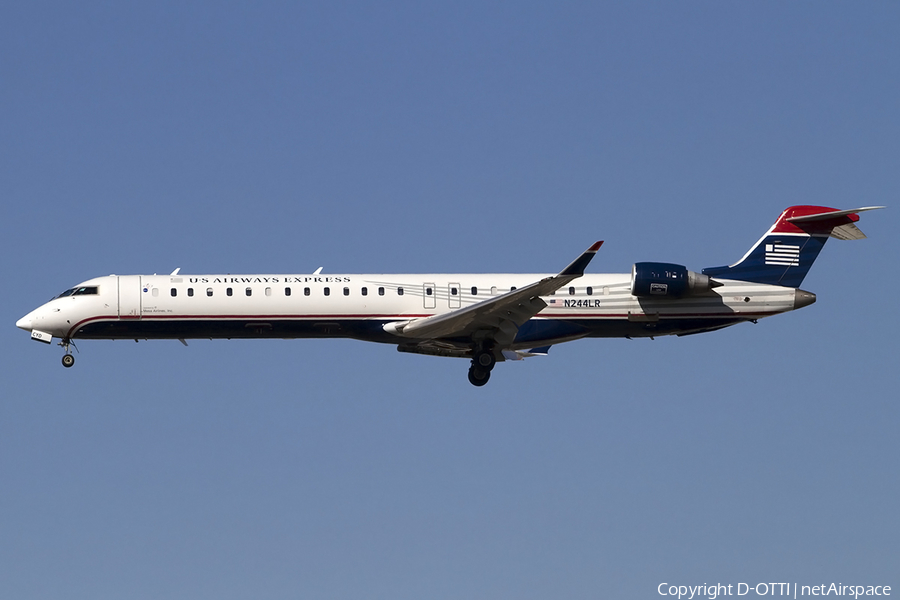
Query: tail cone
x,y
802,298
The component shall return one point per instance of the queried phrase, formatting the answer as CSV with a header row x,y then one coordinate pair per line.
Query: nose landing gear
x,y
68,359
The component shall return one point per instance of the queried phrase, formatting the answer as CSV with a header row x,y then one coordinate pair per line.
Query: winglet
x,y
576,269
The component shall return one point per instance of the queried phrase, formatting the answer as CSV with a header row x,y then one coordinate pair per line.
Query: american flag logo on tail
x,y
782,255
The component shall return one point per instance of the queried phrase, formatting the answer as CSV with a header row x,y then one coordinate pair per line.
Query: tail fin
x,y
784,255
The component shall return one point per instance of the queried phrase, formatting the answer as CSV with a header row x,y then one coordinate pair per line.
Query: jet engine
x,y
665,280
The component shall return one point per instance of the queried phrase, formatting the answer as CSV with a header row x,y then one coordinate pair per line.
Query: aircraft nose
x,y
24,322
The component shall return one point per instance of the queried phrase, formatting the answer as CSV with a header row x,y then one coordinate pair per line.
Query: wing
x,y
499,317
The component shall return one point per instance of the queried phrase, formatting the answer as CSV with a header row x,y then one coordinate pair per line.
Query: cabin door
x,y
129,296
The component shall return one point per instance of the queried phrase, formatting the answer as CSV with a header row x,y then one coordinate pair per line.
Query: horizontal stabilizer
x,y
831,214
839,224
848,231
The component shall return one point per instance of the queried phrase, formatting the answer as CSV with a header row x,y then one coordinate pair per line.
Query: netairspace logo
x,y
713,591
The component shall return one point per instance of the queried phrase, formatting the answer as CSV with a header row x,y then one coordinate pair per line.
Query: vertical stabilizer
x,y
784,255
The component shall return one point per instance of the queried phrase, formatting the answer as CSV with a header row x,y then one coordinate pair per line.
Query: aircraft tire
x,y
68,360
484,360
478,377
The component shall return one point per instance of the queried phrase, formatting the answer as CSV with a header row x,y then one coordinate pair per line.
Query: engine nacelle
x,y
665,280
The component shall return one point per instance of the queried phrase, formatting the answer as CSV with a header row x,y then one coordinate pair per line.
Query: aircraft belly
x,y
550,331
249,328
533,333
682,326
537,331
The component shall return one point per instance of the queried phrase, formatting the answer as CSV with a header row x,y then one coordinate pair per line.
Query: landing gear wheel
x,y
478,377
484,359
68,360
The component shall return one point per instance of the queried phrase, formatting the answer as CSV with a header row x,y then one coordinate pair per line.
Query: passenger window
x,y
209,291
191,292
306,291
287,291
571,291
364,291
228,291
399,291
381,291
493,290
512,289
327,291
428,292
346,291
174,292
454,291
474,291
249,291
268,291
590,291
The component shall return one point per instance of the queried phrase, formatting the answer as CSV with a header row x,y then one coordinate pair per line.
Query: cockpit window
x,y
80,291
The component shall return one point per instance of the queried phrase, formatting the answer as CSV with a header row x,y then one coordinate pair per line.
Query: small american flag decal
x,y
783,255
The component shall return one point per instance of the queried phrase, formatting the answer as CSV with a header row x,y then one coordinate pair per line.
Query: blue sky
x,y
464,137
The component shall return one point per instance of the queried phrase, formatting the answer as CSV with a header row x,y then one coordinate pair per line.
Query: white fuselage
x,y
358,306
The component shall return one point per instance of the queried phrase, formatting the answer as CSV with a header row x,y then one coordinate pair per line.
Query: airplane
x,y
486,318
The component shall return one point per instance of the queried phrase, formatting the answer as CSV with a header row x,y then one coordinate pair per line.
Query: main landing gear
x,y
483,362
67,360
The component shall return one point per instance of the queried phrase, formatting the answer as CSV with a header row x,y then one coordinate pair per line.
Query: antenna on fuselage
x,y
175,272
317,271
